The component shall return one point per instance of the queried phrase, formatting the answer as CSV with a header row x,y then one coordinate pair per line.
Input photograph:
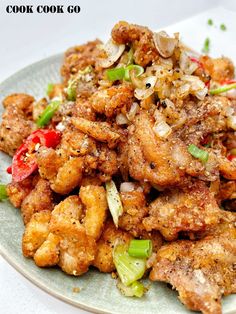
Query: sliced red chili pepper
x,y
231,157
226,82
199,63
9,169
24,161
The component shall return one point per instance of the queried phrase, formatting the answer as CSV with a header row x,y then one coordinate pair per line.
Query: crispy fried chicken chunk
x,y
15,127
135,209
103,259
162,162
79,57
40,198
141,39
201,271
192,208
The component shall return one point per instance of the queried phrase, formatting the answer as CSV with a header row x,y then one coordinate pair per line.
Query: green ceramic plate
x,y
98,291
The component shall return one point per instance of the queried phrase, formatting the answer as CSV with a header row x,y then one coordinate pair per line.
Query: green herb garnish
x,y
206,46
210,22
223,27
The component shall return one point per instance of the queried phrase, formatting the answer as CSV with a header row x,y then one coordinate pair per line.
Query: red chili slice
x,y
24,162
199,63
231,157
226,82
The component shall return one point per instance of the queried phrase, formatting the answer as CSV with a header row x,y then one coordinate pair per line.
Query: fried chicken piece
x,y
103,259
227,168
141,39
101,131
202,271
219,69
69,243
159,161
191,209
94,199
17,191
20,101
84,109
69,176
135,209
40,198
204,118
49,162
107,161
48,253
36,232
113,100
77,249
14,129
227,190
79,57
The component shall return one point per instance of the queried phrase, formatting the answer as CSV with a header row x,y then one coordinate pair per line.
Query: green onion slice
x,y
115,74
133,67
223,27
71,93
130,269
130,56
210,22
140,248
3,191
48,113
50,88
114,201
206,46
198,153
222,89
136,289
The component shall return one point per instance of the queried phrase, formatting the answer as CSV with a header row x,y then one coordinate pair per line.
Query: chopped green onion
x,y
130,269
140,248
223,27
206,46
48,113
198,153
222,89
138,289
115,74
114,201
71,93
210,22
50,88
137,68
3,192
130,56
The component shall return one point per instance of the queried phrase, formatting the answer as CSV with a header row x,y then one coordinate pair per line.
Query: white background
x,y
25,39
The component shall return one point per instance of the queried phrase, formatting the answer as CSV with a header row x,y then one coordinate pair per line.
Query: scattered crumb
x,y
76,290
114,275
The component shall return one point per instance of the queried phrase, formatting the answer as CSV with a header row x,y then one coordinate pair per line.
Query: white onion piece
x,y
165,44
162,129
185,63
230,94
60,127
201,93
113,52
145,92
114,201
127,187
231,122
121,119
133,111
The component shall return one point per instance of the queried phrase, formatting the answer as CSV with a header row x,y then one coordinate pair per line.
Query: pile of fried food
x,y
137,142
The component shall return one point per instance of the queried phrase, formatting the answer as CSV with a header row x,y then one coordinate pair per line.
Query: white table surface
x,y
28,38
